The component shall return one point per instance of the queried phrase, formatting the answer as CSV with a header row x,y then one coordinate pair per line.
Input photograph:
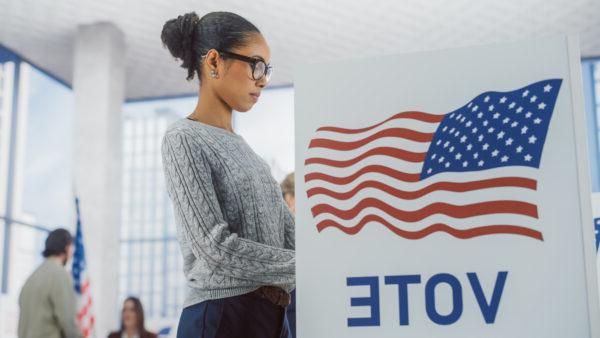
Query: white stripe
x,y
389,142
455,198
391,162
388,161
424,127
463,224
513,171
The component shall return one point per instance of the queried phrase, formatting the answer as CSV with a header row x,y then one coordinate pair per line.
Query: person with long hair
x,y
235,231
132,321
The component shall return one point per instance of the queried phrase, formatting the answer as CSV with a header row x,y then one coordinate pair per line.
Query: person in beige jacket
x,y
47,299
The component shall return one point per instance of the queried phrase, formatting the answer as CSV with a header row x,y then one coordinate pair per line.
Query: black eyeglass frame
x,y
252,62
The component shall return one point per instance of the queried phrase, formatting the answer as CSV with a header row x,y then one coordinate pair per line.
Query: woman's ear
x,y
211,62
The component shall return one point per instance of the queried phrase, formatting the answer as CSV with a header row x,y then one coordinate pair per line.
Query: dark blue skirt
x,y
247,316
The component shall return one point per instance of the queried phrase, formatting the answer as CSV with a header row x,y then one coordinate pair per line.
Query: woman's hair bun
x,y
178,36
189,37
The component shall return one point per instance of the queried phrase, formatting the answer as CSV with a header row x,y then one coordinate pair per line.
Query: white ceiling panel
x,y
43,31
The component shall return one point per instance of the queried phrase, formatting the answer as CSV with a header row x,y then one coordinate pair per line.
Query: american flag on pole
x,y
470,172
81,281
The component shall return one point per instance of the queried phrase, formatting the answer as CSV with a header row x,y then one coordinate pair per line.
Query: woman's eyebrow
x,y
259,57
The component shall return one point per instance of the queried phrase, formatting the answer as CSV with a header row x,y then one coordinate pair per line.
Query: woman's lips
x,y
254,96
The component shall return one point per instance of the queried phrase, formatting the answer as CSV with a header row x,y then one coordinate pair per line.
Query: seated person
x,y
132,321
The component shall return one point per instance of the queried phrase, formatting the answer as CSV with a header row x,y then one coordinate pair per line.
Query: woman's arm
x,y
197,209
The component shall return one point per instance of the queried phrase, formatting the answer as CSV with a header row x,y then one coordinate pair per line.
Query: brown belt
x,y
274,294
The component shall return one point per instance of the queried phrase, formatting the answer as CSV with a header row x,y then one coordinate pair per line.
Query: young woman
x,y
132,321
235,232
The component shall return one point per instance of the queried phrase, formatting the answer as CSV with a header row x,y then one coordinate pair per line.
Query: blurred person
x,y
47,300
235,231
132,321
289,195
287,188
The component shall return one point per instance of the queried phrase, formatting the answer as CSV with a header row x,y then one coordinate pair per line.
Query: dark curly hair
x,y
189,37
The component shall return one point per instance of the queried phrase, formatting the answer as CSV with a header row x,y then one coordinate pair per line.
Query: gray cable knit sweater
x,y
234,229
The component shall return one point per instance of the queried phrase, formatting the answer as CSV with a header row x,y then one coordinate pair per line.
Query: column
x,y
99,86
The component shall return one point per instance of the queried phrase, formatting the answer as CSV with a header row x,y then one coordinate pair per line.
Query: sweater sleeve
x,y
197,209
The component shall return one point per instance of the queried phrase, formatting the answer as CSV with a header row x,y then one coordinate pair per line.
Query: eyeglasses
x,y
260,69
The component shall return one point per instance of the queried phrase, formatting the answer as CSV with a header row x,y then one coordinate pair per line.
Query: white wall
x,y
269,129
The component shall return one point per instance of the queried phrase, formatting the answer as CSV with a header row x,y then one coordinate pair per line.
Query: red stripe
x,y
85,309
415,115
438,227
86,328
455,211
82,313
90,327
380,169
85,286
445,186
386,151
408,134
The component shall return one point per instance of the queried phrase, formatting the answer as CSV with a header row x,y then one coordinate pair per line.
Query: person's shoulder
x,y
197,130
193,135
115,334
53,268
178,127
184,129
178,131
149,334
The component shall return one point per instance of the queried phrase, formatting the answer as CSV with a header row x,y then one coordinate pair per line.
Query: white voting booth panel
x,y
445,194
596,213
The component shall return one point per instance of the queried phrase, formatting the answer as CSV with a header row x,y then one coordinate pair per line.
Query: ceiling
x,y
43,31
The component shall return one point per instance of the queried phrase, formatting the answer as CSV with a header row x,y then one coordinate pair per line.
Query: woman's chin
x,y
244,109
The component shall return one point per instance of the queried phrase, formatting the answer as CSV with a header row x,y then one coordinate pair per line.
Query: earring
x,y
213,74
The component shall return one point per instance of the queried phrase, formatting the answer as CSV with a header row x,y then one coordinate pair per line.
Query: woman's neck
x,y
210,109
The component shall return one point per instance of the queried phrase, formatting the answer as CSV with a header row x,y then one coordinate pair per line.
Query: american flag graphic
x,y
468,173
81,282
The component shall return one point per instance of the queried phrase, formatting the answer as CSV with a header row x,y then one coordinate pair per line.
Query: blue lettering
x,y
488,303
490,310
402,282
457,307
371,301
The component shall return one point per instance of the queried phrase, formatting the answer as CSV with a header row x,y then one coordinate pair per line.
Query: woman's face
x,y
235,85
130,319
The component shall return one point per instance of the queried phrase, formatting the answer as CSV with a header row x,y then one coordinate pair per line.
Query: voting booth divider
x,y
445,194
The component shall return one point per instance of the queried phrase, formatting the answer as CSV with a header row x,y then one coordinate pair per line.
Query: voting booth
x,y
445,194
